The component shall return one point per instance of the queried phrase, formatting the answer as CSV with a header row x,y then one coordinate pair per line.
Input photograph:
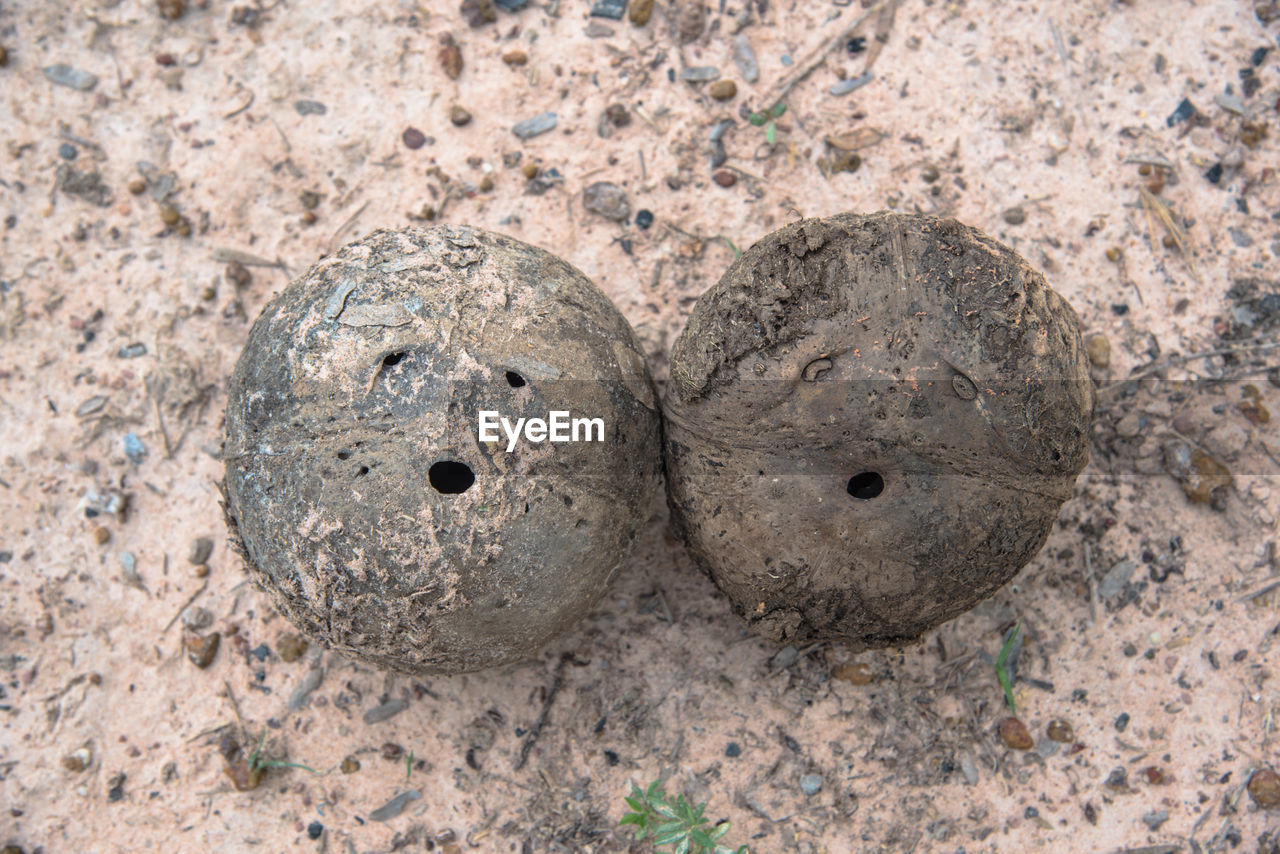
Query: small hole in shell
x,y
514,380
450,477
391,359
865,485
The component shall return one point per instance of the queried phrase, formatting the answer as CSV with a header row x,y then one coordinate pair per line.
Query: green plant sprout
x,y
737,253
258,765
771,116
1001,673
678,824
408,767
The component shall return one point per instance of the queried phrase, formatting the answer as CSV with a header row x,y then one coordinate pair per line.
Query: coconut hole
x,y
449,477
865,485
514,380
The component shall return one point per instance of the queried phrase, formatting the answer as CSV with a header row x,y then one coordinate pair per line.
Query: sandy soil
x,y
1144,627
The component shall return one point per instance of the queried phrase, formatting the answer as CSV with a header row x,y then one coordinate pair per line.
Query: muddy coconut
x,y
872,422
368,493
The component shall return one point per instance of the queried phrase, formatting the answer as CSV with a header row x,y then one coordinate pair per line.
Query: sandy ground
x,y
1147,621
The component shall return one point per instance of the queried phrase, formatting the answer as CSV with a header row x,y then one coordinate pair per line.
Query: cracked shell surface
x,y
368,371
871,424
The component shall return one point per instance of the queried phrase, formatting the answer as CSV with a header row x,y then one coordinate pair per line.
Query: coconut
x,y
366,497
871,425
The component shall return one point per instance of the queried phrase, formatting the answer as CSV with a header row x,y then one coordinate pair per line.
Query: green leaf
x,y
663,808
683,847
632,818
638,806
719,830
660,838
758,119
778,109
1001,673
770,133
702,839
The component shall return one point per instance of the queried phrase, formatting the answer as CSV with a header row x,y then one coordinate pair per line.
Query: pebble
x,y
700,74
969,770
725,178
450,56
1099,350
1015,216
1116,578
515,58
810,784
171,9
67,151
238,274
1153,820
539,124
133,448
478,12
1181,113
309,683
745,58
314,829
1264,788
386,711
459,116
4,57
1013,733
858,673
1061,731
201,549
640,12
350,765
611,9
197,618
291,647
511,5
644,218
1122,722
310,108
597,30
101,535
77,760
618,115
723,90
607,199
784,658
395,806
844,87
74,78
201,649
413,138
733,750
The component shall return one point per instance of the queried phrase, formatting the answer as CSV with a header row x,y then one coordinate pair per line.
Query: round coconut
x,y
366,496
871,424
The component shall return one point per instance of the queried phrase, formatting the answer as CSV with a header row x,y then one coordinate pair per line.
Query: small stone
x,y
77,760
395,806
733,750
291,647
1013,733
4,57
449,56
386,711
844,87
970,770
515,58
1264,788
74,78
391,751
201,549
1155,775
308,217
67,151
644,219
169,215
611,9
1117,577
640,12
413,138
1099,350
858,673
607,199
618,114
700,74
1015,216
350,765
1061,731
539,124
310,108
723,90
725,178
597,30
846,161
459,115
529,170
314,829
1153,820
137,187
1122,722
745,58
171,9
133,448
486,183
201,571
101,535
810,784
201,649
477,13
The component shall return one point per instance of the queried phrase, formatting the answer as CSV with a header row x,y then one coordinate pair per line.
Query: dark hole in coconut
x,y
865,485
391,359
451,477
514,380
344,455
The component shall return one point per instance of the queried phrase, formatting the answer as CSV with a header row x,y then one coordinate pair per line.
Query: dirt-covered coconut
x,y
356,480
871,424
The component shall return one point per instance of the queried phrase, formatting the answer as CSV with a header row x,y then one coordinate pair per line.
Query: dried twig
x,y
185,605
1244,347
819,57
532,737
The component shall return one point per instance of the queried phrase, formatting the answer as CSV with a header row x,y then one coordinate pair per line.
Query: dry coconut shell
x,y
356,480
871,424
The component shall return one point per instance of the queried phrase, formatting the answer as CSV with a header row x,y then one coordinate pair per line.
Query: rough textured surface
x,y
365,375
872,423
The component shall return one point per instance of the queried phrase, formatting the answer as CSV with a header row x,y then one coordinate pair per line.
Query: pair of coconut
x,y
870,426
